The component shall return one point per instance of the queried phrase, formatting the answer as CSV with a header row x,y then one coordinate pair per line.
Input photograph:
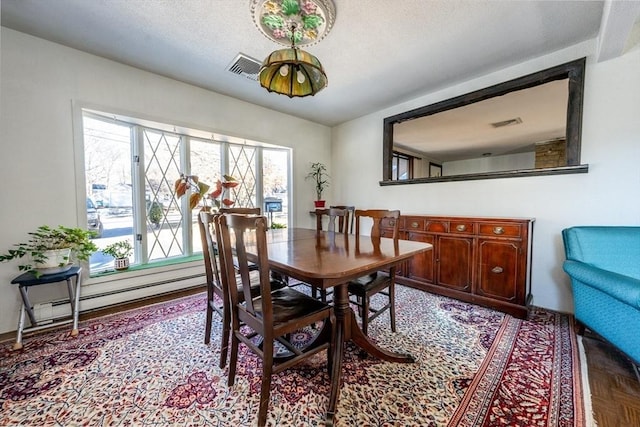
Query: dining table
x,y
330,260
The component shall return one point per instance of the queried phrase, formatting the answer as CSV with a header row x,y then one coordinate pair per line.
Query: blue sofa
x,y
603,263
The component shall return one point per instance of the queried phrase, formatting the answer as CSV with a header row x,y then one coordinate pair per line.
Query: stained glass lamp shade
x,y
293,71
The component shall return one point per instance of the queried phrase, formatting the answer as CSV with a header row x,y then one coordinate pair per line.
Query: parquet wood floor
x,y
615,388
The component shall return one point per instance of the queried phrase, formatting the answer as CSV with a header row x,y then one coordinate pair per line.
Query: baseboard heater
x,y
66,301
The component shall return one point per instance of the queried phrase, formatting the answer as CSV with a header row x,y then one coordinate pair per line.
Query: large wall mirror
x,y
528,126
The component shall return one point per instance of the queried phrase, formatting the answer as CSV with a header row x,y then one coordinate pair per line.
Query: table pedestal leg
x,y
363,341
347,329
341,309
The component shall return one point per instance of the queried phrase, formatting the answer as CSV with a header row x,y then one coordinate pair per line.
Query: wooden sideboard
x,y
485,261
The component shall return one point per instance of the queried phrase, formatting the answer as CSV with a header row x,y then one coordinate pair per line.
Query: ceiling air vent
x,y
246,66
509,122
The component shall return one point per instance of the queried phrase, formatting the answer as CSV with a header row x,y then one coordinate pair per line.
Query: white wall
x,y
609,194
490,164
39,82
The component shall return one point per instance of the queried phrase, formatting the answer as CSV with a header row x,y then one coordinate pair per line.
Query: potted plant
x,y
121,251
199,190
319,174
51,250
155,214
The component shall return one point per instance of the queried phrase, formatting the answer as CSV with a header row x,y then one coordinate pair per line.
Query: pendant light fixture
x,y
292,71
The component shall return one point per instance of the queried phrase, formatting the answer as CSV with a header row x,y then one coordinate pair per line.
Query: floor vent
x,y
246,66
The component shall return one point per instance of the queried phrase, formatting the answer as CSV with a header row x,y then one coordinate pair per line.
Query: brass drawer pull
x,y
498,230
497,270
415,224
461,227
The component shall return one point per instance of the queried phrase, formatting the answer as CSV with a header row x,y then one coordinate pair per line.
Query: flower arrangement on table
x,y
199,190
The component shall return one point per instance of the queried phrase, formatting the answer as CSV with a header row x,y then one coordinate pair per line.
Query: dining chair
x,y
381,282
215,274
214,284
349,219
274,315
333,215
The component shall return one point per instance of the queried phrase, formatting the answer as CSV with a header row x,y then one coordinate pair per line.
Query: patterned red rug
x,y
475,367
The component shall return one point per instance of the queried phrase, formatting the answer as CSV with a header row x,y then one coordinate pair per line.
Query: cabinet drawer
x,y
462,227
437,226
414,224
499,229
390,222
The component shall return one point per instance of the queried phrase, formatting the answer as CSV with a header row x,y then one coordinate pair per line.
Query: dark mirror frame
x,y
573,70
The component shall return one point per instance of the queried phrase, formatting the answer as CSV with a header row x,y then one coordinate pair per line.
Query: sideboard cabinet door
x,y
422,266
499,272
454,262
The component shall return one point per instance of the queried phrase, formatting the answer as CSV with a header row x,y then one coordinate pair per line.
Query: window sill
x,y
166,266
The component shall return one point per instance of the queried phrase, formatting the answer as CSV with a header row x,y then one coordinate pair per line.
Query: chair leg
x,y
323,295
234,359
207,326
392,306
331,348
267,369
226,330
365,314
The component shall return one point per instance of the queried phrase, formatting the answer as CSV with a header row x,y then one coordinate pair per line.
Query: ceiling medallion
x,y
311,19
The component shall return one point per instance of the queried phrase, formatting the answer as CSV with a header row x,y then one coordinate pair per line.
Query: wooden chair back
x,y
245,211
237,231
332,214
348,220
210,252
382,220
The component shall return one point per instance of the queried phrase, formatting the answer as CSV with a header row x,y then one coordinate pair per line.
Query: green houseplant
x,y
155,214
199,190
121,251
51,250
319,175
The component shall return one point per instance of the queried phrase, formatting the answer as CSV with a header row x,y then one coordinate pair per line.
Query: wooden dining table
x,y
330,260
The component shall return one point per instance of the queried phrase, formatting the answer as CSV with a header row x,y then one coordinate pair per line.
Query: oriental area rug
x,y
150,367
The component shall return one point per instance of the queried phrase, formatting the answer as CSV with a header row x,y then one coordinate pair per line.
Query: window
x,y
402,166
130,169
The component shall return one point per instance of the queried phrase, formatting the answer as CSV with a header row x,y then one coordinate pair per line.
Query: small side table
x,y
25,280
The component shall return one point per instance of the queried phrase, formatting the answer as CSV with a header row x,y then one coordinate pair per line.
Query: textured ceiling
x,y
379,52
